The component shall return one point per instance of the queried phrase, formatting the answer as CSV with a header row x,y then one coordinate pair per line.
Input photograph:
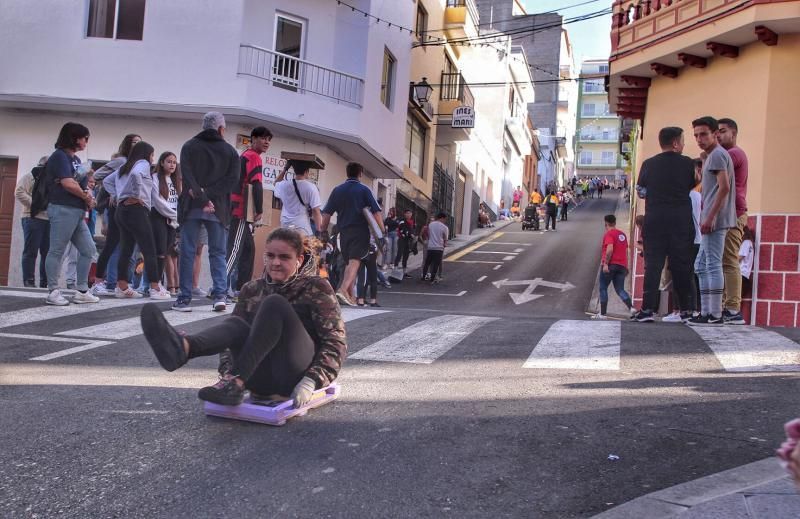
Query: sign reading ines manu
x,y
463,117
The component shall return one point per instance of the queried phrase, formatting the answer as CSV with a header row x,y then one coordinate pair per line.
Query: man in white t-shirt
x,y
437,240
298,196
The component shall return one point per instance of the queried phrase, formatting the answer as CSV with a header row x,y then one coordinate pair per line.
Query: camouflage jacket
x,y
315,303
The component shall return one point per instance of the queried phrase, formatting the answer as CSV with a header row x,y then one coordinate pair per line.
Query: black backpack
x,y
39,192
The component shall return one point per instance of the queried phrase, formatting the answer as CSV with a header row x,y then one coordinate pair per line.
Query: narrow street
x,y
463,406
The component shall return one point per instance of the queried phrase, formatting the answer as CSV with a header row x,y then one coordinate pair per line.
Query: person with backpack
x,y
300,198
106,201
551,203
67,204
35,226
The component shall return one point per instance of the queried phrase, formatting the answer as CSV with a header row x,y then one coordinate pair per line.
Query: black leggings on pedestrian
x,y
163,236
112,240
368,277
135,228
433,261
403,250
271,355
550,219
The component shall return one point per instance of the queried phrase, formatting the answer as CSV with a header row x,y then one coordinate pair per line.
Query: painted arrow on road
x,y
527,295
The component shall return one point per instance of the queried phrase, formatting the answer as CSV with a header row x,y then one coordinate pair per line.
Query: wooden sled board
x,y
271,412
314,161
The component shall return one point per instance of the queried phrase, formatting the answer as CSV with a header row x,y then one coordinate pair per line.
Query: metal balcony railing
x,y
301,76
454,87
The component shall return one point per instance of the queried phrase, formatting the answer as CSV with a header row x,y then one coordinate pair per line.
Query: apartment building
x,y
326,78
672,62
598,131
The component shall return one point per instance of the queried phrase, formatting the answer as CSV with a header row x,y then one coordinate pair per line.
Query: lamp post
x,y
423,90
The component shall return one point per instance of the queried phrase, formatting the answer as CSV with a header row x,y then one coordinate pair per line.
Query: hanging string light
x,y
377,19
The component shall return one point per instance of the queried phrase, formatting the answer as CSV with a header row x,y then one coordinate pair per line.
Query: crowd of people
x,y
693,236
157,217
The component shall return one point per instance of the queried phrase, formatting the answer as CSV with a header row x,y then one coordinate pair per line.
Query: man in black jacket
x,y
210,169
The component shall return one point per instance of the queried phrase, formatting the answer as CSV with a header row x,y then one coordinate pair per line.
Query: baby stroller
x,y
531,220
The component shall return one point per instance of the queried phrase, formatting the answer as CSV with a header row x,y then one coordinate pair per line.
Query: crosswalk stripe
x,y
45,313
425,341
597,346
746,348
41,296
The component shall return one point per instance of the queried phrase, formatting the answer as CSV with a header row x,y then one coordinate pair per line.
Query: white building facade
x,y
324,78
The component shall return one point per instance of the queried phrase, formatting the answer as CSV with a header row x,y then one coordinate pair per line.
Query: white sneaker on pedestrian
x,y
99,289
55,298
600,317
199,292
672,318
128,293
85,297
162,294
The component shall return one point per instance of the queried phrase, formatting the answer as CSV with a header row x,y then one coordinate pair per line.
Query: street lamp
x,y
423,90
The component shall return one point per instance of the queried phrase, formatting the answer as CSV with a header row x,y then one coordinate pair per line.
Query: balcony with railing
x,y
297,75
461,19
599,137
454,92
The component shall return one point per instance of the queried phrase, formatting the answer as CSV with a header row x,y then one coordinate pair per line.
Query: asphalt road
x,y
438,415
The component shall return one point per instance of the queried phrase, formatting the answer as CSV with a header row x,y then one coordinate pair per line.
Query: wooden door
x,y
8,181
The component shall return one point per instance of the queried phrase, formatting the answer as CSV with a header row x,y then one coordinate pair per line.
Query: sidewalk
x,y
616,308
760,490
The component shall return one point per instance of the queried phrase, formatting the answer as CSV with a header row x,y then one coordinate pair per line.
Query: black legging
x,y
164,236
550,218
112,240
403,250
134,228
433,261
271,355
368,277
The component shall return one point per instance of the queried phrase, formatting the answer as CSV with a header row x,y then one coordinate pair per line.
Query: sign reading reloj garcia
x,y
463,117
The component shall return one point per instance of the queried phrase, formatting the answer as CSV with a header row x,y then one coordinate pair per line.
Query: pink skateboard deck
x,y
271,412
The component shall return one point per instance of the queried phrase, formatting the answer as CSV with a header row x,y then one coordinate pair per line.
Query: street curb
x,y
673,501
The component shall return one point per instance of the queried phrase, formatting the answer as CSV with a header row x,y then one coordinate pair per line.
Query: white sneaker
x,y
162,294
55,298
128,293
85,297
99,289
672,318
600,317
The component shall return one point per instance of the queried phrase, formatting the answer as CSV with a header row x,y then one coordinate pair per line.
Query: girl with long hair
x,y
134,189
164,215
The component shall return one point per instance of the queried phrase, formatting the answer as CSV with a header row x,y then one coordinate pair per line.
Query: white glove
x,y
303,391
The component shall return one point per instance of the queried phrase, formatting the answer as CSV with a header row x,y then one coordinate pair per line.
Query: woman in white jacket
x,y
134,191
164,213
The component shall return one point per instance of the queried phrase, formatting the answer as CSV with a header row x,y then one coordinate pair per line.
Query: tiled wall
x,y
776,276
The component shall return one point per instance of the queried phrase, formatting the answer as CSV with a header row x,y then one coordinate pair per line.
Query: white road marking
x,y
429,293
492,252
528,295
469,261
131,327
22,293
748,348
481,278
508,258
351,314
518,250
46,312
423,342
70,351
511,243
497,267
578,345
38,337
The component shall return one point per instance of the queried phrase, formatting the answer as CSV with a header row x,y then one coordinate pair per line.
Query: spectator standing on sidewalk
x,y
391,223
406,234
68,202
551,204
169,188
517,196
717,216
35,228
732,303
164,212
437,241
210,169
536,197
241,248
300,197
613,265
665,182
348,201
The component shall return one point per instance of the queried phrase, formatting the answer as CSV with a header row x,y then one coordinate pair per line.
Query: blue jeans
x,y
36,233
391,248
616,274
217,239
708,267
67,226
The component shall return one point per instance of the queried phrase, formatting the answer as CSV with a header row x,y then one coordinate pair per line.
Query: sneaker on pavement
x,y
427,277
729,317
644,317
166,342
181,305
55,298
344,300
128,293
100,289
199,292
224,392
162,294
672,318
219,305
685,316
85,297
705,320
600,317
